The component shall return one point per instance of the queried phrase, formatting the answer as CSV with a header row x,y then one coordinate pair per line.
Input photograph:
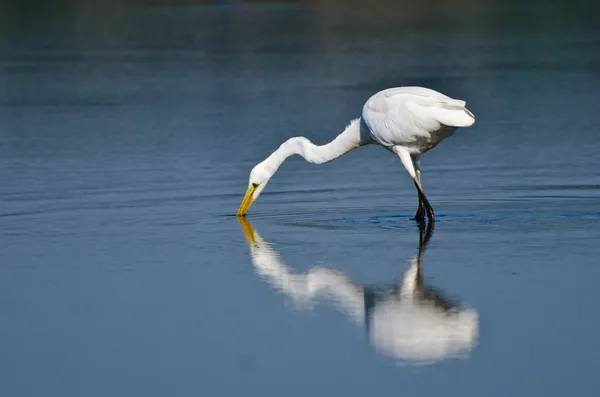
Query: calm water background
x,y
126,138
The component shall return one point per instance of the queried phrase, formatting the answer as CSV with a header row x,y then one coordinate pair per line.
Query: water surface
x,y
125,151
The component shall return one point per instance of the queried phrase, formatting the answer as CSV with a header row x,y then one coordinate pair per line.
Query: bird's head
x,y
259,177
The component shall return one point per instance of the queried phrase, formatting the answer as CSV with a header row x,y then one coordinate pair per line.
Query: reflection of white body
x,y
409,326
409,322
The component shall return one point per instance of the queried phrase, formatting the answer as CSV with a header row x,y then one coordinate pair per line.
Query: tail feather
x,y
453,114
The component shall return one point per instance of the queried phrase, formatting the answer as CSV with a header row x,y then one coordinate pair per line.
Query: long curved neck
x,y
349,139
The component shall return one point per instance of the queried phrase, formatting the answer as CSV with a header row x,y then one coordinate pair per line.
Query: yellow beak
x,y
246,202
248,231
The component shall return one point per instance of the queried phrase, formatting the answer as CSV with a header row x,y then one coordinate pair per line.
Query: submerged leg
x,y
407,161
425,232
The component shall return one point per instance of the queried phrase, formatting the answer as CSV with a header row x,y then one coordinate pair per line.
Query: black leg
x,y
420,215
426,204
411,163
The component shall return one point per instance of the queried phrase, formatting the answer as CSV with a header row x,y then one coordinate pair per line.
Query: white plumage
x,y
408,121
412,117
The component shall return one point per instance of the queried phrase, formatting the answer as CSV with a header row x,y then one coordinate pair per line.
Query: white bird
x,y
407,121
407,320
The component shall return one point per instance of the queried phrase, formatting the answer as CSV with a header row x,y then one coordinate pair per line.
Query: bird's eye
x,y
254,185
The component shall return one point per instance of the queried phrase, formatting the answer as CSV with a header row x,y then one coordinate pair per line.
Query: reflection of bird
x,y
408,320
408,121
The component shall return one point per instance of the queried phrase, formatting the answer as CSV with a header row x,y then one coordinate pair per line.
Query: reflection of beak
x,y
247,201
248,231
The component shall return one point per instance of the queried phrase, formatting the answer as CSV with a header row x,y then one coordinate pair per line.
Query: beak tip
x,y
246,202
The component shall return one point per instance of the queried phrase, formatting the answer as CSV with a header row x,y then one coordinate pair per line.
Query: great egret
x,y
408,320
407,121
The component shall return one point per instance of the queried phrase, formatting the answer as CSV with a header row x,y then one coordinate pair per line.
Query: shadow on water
x,y
408,320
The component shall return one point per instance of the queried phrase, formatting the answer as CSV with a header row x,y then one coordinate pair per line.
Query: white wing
x,y
405,115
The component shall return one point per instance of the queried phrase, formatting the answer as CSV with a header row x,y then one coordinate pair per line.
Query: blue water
x,y
126,137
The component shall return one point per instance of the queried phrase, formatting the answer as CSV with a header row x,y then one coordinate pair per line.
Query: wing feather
x,y
405,115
